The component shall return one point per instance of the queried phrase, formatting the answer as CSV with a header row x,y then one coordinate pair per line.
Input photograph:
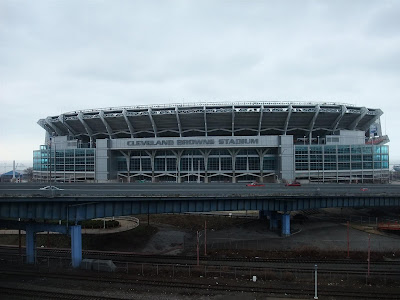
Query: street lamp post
x,y
315,282
50,165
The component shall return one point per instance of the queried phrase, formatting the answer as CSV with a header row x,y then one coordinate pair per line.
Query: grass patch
x,y
193,222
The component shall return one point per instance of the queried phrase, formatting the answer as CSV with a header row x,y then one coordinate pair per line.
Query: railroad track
x,y
138,257
207,285
44,294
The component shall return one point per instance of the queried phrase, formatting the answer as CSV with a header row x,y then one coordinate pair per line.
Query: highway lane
x,y
195,189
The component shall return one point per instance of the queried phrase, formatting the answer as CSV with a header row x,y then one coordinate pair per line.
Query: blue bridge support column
x,y
30,244
286,224
273,220
76,245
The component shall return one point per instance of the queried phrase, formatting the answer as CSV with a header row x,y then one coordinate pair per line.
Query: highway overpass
x,y
76,202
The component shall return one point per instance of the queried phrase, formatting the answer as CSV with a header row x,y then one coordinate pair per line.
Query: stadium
x,y
215,142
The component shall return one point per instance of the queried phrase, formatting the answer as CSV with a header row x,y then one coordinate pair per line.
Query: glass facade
x,y
325,163
62,162
360,161
194,162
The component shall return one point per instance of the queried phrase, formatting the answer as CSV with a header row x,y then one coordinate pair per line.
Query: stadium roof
x,y
10,173
212,119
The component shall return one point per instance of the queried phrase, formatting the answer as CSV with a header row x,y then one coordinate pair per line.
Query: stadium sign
x,y
194,142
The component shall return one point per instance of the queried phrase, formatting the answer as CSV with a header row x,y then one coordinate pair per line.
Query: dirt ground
x,y
175,234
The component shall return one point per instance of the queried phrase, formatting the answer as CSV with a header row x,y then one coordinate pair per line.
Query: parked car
x,y
52,187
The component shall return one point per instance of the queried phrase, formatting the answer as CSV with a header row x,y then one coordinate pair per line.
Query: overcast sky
x,y
60,56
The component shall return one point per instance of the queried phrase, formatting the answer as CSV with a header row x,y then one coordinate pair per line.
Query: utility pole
x,y
198,250
49,164
315,282
205,238
348,240
369,253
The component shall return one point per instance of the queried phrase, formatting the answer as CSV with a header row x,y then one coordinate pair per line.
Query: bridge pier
x,y
286,224
31,228
30,244
76,245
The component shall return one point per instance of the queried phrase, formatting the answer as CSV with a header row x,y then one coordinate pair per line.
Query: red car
x,y
294,183
255,184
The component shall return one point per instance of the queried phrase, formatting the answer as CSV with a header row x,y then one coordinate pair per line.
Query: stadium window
x,y
344,166
198,162
355,149
185,164
367,157
213,164
269,163
135,164
330,166
330,149
377,165
315,149
343,149
171,164
159,164
367,149
146,164
343,158
330,158
301,150
254,163
121,165
226,163
367,165
79,152
241,163
301,166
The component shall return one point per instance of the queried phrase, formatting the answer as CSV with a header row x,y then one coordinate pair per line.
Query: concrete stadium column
x,y
286,224
30,244
261,164
76,245
178,155
273,220
286,158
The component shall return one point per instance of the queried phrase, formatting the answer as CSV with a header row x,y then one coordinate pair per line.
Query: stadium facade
x,y
215,142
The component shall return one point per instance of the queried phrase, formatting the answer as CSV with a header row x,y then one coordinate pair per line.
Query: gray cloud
x,y
62,56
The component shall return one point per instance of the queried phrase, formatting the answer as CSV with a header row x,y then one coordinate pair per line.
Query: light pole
x,y
316,282
304,139
198,171
198,248
50,165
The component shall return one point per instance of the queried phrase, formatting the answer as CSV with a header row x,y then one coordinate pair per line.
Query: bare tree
x,y
29,173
